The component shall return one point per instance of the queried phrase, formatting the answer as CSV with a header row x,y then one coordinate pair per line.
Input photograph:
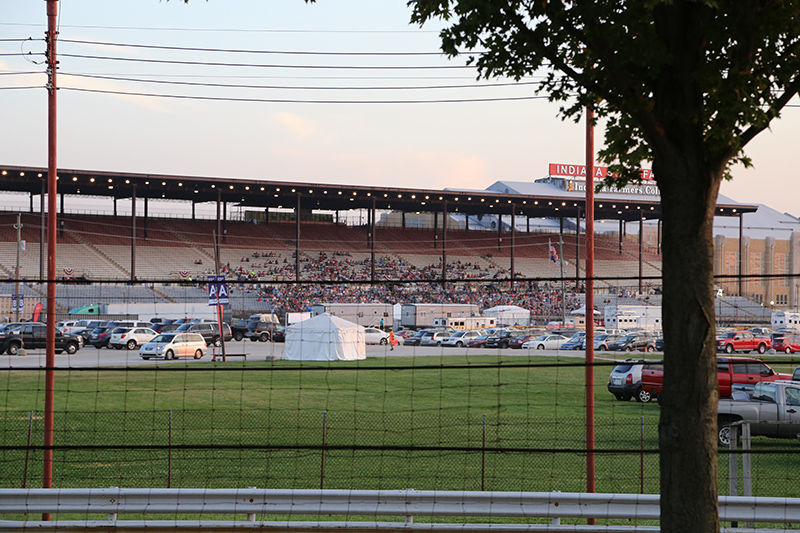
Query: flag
x,y
553,253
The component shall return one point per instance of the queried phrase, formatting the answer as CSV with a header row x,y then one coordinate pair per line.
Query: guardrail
x,y
409,504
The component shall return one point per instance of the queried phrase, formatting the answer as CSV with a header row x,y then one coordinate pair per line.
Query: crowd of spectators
x,y
271,267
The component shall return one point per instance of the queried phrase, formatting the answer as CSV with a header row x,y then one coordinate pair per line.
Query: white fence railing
x,y
306,505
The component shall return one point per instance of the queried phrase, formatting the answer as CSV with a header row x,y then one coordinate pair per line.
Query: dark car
x,y
33,335
517,342
279,336
660,344
259,330
415,339
85,334
478,342
100,336
629,343
503,338
209,331
576,342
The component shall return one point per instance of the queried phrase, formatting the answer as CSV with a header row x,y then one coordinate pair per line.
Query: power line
x,y
223,30
257,65
245,51
295,87
290,101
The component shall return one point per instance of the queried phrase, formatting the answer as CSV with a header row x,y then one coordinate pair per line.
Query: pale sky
x,y
436,145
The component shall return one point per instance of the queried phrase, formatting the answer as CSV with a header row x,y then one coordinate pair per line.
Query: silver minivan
x,y
174,344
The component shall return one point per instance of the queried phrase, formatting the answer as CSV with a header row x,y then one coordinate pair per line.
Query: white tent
x,y
582,311
510,314
325,338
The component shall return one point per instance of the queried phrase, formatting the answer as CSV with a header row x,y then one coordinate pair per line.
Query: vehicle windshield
x,y
729,335
623,368
458,334
541,338
165,338
627,338
185,327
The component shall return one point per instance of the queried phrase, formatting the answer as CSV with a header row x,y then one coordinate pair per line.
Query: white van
x,y
174,344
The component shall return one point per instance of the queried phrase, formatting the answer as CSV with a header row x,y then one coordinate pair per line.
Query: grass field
x,y
451,423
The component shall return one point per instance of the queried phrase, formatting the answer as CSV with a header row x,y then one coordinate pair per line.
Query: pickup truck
x,y
742,341
33,335
773,410
744,372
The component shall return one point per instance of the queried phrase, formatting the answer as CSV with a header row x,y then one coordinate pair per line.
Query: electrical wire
x,y
295,87
257,65
260,52
228,30
290,101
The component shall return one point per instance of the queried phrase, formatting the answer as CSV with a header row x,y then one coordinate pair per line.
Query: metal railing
x,y
410,504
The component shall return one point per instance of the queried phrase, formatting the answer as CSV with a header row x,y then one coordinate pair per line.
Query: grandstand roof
x,y
528,199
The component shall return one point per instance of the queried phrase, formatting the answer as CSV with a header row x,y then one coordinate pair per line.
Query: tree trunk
x,y
687,429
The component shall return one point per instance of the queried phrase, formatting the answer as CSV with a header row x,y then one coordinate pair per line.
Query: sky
x,y
344,92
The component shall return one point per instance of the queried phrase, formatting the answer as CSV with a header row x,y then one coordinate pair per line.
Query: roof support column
x,y
741,254
620,235
133,234
297,240
444,240
224,220
435,228
146,213
513,229
499,230
219,217
641,238
577,247
372,242
193,212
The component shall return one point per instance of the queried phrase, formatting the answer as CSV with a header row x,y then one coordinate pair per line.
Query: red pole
x,y
52,170
589,317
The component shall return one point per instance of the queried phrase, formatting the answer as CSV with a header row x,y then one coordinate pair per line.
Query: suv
x,y
433,338
32,335
130,338
503,338
625,381
209,331
633,341
258,330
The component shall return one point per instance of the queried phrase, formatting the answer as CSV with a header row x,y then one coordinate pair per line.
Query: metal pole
x,y
169,453
483,456
133,234
372,243
18,227
42,225
563,294
513,228
444,241
297,241
322,459
741,255
589,304
27,451
52,171
641,235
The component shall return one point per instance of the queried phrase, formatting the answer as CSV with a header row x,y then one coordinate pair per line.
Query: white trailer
x,y
362,314
423,315
466,322
633,317
785,319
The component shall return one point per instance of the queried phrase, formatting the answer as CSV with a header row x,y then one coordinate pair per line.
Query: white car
x,y
130,338
552,341
461,338
376,336
173,345
433,338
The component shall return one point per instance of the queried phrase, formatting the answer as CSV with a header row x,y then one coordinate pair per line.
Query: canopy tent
x,y
325,338
582,311
509,314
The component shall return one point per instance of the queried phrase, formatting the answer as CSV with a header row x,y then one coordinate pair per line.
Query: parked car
x,y
773,410
633,342
279,336
461,338
433,338
517,342
100,336
33,335
173,345
503,339
575,342
787,344
130,338
414,339
739,372
602,341
258,330
742,341
552,341
209,331
479,341
376,336
625,381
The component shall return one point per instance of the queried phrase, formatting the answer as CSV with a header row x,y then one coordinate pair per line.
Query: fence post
x,y
27,451
483,455
641,455
169,453
322,460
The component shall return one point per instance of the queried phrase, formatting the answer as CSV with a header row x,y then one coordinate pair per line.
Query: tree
x,y
684,84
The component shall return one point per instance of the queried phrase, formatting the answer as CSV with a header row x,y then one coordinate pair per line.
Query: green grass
x,y
389,423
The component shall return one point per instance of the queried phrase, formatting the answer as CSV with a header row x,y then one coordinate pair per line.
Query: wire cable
x,y
291,101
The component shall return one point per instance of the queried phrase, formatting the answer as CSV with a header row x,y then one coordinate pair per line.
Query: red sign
x,y
37,311
579,171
